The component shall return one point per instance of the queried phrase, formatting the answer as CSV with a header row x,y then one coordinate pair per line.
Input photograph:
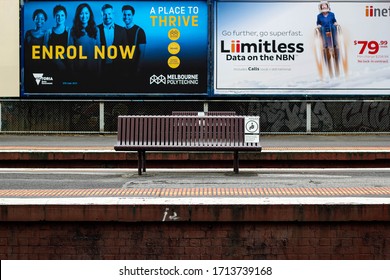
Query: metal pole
x,y
205,107
101,116
308,118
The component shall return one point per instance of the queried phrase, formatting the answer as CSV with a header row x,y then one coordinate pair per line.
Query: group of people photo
x,y
100,75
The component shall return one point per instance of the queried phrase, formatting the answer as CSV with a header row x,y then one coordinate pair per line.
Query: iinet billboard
x,y
302,48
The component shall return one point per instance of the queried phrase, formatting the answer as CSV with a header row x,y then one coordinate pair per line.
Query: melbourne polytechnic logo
x,y
41,80
175,79
157,79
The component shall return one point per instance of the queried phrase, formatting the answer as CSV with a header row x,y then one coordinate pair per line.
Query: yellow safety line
x,y
201,192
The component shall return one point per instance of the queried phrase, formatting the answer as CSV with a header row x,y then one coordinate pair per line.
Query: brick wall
x,y
354,232
251,240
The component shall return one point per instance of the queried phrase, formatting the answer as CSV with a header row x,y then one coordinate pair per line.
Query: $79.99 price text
x,y
370,47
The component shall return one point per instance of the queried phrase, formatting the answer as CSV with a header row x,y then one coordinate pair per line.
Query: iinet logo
x,y
377,12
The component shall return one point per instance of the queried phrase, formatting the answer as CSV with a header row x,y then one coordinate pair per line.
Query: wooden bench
x,y
184,133
209,113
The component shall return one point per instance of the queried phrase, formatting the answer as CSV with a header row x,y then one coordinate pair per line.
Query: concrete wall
x,y
276,116
9,48
201,232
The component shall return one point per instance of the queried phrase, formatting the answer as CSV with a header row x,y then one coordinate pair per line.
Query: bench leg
x,y
236,162
144,161
140,160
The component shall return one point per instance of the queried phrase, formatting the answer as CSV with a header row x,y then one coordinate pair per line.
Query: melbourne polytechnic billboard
x,y
302,47
114,47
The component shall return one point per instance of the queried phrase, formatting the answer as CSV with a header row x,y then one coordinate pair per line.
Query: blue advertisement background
x,y
193,43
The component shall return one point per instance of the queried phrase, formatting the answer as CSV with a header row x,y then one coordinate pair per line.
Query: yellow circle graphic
x,y
173,48
173,62
174,34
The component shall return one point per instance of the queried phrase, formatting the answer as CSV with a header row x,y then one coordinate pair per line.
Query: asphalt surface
x,y
192,178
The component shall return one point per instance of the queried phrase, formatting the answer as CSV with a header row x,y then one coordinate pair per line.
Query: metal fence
x,y
277,117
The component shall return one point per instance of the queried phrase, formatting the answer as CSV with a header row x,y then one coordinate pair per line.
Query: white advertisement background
x,y
303,73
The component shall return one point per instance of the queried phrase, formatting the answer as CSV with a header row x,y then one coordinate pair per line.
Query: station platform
x,y
301,197
88,142
289,151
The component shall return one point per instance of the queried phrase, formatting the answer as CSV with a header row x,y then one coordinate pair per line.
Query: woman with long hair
x,y
85,36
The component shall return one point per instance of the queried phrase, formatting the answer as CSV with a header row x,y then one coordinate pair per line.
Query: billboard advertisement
x,y
302,47
114,48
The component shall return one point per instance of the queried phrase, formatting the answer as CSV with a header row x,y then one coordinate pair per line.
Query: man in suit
x,y
111,34
136,38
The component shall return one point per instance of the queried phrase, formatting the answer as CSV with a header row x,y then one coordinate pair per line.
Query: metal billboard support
x,y
308,117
